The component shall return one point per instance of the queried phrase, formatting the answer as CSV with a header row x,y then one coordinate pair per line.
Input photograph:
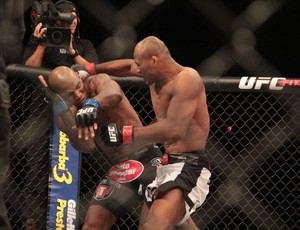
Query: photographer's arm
x,y
88,54
78,59
36,57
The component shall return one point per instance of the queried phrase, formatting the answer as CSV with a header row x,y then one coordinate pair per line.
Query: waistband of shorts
x,y
198,157
149,151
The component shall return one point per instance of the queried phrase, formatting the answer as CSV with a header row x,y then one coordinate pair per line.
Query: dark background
x,y
194,30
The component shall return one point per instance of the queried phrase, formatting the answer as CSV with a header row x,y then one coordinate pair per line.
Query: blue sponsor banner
x,y
63,183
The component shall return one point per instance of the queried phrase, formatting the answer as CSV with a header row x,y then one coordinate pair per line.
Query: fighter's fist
x,y
114,134
84,70
87,115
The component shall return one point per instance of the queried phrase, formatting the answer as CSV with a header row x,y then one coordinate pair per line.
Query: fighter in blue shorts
x,y
95,102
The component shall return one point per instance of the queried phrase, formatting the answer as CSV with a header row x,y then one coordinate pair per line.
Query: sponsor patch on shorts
x,y
151,193
103,191
156,161
126,171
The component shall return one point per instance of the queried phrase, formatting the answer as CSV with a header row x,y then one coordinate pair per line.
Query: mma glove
x,y
87,115
58,104
84,70
115,135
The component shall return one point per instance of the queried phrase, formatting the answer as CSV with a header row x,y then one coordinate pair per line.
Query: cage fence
x,y
253,147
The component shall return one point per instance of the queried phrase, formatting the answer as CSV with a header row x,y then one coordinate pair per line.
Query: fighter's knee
x,y
96,226
87,226
154,225
98,217
99,222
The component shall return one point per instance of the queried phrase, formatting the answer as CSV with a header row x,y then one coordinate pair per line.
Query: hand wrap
x,y
115,135
84,70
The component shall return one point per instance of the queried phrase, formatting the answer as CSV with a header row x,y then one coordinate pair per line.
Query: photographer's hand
x,y
39,31
37,39
74,54
71,49
38,34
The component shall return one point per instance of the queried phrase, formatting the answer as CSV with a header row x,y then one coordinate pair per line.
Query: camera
x,y
45,12
58,37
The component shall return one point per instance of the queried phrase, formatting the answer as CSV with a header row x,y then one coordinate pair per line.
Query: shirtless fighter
x,y
99,101
179,101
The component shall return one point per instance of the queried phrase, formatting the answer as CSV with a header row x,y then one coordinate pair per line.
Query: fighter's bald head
x,y
60,78
152,46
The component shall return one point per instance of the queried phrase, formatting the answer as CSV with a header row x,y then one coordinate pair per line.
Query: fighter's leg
x,y
98,217
189,224
110,201
144,214
166,211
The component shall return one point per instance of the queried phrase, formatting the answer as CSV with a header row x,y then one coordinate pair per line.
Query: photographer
x,y
32,138
79,51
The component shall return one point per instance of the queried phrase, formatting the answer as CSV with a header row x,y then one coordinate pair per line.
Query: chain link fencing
x,y
253,146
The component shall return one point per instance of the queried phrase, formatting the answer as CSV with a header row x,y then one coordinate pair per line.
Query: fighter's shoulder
x,y
188,82
98,78
189,74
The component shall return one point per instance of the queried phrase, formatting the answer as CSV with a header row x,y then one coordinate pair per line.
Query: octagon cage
x,y
253,146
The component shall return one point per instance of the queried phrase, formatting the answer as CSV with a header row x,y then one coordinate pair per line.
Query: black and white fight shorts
x,y
125,183
188,171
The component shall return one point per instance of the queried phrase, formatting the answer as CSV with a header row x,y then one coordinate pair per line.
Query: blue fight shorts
x,y
125,183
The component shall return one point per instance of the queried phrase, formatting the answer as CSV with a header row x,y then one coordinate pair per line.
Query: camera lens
x,y
57,36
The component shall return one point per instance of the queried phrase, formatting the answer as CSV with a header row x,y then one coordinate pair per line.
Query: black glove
x,y
115,135
84,70
87,115
58,104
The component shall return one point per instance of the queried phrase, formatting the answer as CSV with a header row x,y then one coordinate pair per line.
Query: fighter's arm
x,y
118,68
66,123
173,125
180,112
107,95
